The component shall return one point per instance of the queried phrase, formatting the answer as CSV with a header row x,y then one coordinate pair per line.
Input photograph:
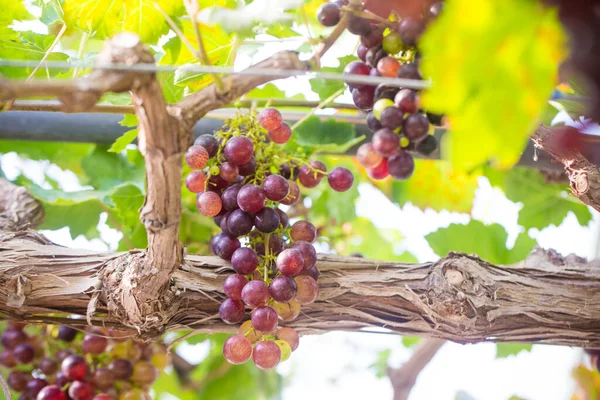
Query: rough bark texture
x,y
546,298
584,176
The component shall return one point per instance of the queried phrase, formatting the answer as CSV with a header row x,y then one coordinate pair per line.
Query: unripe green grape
x,y
286,349
214,170
381,105
392,43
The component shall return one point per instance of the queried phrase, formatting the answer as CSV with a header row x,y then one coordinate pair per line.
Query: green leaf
x,y
544,203
329,136
106,170
122,141
217,44
381,364
327,87
129,121
487,241
128,200
410,341
28,46
51,11
10,11
500,65
504,350
65,155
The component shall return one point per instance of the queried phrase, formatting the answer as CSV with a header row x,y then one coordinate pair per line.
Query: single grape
x,y
229,171
266,355
251,198
237,349
416,126
312,174
80,390
283,289
61,379
410,30
196,157
103,378
102,396
121,369
94,344
356,68
255,294
373,123
308,289
276,187
380,171
373,39
391,118
264,319
303,230
232,311
224,246
329,14
24,353
427,146
51,392
290,336
229,197
144,373
34,387
282,134
270,118
74,367
386,142
401,165
195,181
359,26
363,97
160,358
388,66
367,156
290,262
293,195
286,349
48,366
287,312
209,204
309,254
7,359
17,380
340,179
384,91
239,150
266,220
392,43
407,100
13,337
275,246
409,71
210,144
233,285
361,52
134,394
313,272
244,260
380,105
247,168
239,223
283,218
249,332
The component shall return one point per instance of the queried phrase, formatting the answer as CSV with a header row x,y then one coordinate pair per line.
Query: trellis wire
x,y
269,72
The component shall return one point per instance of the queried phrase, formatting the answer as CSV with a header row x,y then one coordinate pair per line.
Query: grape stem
x,y
330,40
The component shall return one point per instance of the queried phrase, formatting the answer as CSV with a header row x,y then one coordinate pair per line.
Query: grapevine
x,y
242,175
389,49
60,363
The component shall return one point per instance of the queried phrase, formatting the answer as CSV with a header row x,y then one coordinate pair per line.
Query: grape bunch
x,y
60,363
394,114
244,179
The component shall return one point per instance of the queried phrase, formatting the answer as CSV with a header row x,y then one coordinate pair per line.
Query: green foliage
x,y
499,63
410,341
28,46
487,241
326,88
544,203
380,365
329,136
504,350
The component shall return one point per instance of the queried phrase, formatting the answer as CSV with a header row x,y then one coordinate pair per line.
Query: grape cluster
x,y
394,114
60,363
242,175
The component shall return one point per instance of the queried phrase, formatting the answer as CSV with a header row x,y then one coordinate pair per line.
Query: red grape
x,y
388,66
255,294
239,150
7,358
34,386
233,285
229,197
290,262
276,187
94,344
270,118
266,355
282,134
210,144
309,254
61,379
229,172
361,52
386,142
303,230
196,157
121,369
283,218
312,174
251,198
308,289
340,179
224,246
24,353
401,165
144,373
409,71
239,223
13,337
209,204
363,97
357,68
247,168
244,260
48,366
380,171
407,100
237,349
80,390
367,156
293,195
410,30
283,289
329,14
266,220
102,396
373,38
103,378
17,380
232,311
373,123
51,392
264,319
289,335
391,118
416,126
74,367
359,26
195,182
313,272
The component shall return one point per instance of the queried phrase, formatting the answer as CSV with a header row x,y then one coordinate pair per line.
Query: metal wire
x,y
271,72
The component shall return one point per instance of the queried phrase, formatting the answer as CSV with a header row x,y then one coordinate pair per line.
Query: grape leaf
x,y
11,10
327,87
500,66
544,203
313,131
106,170
410,341
217,45
106,18
504,350
28,46
487,241
122,141
127,200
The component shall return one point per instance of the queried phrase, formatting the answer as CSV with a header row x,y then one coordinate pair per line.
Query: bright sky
x,y
336,365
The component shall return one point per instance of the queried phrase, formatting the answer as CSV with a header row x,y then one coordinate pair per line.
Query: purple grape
x,y
416,126
361,52
94,344
276,187
48,366
239,150
34,386
407,101
209,142
384,91
290,262
233,286
224,246
275,246
224,225
283,289
248,168
303,230
232,311
244,260
283,218
13,337
239,223
251,198
312,174
17,380
74,367
386,142
391,118
264,319
401,165
374,55
51,392
313,272
373,39
255,294
309,254
373,123
427,146
356,68
410,30
229,171
359,26
7,359
266,220
24,353
122,369
340,179
363,97
409,71
329,14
